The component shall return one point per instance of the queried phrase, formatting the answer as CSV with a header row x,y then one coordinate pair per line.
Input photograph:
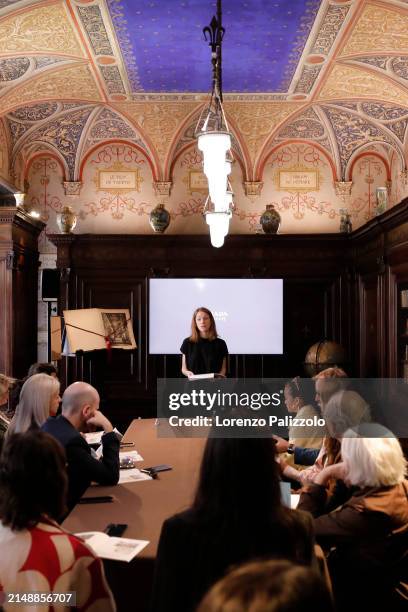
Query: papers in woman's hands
x,y
203,376
107,547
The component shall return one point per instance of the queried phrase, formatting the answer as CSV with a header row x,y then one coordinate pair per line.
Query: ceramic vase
x,y
66,220
159,219
270,220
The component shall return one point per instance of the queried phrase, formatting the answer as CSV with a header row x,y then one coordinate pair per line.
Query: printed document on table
x,y
133,475
107,547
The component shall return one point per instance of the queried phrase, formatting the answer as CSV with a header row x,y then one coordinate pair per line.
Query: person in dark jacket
x,y
368,535
237,516
80,407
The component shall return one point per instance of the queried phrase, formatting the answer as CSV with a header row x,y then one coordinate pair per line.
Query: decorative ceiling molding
x,y
91,18
27,120
305,126
385,115
331,20
15,71
120,25
67,83
60,59
159,120
309,126
395,68
329,29
345,81
353,131
63,133
109,125
307,79
44,29
257,121
378,30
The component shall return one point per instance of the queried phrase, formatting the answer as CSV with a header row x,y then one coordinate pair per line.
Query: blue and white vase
x,y
159,219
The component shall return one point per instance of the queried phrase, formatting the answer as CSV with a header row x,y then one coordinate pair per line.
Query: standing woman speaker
x,y
203,352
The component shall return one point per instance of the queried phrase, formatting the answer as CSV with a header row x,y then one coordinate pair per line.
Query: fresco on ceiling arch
x,y
153,35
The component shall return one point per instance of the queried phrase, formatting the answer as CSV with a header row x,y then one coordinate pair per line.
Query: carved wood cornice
x,y
11,215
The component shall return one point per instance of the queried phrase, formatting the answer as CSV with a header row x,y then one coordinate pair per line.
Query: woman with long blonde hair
x,y
39,399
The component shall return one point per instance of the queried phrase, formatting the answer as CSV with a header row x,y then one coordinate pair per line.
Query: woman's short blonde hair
x,y
373,461
33,407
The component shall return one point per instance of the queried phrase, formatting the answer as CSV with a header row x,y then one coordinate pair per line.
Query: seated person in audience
x,y
39,399
42,368
5,383
80,407
35,368
327,382
344,409
298,400
369,533
237,515
36,554
269,586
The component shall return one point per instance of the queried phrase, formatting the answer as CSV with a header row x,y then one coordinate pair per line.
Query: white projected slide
x,y
248,313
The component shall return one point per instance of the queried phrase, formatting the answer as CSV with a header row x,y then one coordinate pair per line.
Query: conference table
x,y
143,506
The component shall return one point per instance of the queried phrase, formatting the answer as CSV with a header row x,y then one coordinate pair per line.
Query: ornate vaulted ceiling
x,y
76,72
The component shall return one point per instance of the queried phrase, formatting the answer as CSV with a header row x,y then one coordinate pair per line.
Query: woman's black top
x,y
205,356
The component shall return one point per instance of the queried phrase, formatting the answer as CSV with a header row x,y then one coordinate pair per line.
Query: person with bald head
x,y
80,408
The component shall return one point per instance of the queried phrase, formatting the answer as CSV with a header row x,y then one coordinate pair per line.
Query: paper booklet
x,y
108,547
203,376
90,329
132,475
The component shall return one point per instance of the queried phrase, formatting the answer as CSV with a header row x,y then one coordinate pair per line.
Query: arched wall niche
x,y
368,170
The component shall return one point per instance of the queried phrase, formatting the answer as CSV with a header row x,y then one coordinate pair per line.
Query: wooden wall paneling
x,y
25,303
307,303
369,328
114,271
18,290
396,258
6,312
392,345
383,343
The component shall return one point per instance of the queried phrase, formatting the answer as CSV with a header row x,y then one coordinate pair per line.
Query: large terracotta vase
x,y
270,220
66,220
159,219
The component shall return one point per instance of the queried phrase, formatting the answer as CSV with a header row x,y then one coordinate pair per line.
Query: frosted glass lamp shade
x,y
214,146
219,225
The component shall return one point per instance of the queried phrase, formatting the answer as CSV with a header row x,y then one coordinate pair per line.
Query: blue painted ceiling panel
x,y
164,48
